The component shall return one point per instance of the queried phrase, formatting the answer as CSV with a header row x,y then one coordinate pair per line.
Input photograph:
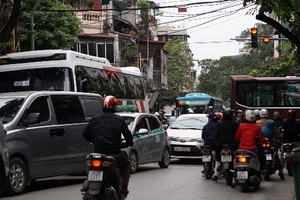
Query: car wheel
x,y
16,181
133,162
165,160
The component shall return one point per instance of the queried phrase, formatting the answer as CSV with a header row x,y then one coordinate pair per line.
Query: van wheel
x,y
133,162
16,181
165,160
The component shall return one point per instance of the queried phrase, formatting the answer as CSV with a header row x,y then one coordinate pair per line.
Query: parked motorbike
x,y
227,163
247,169
209,160
286,149
271,163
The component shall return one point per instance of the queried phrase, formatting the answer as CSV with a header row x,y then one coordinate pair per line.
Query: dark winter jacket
x,y
291,129
209,133
226,132
269,130
104,131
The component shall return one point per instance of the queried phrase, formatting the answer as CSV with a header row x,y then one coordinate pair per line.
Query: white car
x,y
150,140
185,136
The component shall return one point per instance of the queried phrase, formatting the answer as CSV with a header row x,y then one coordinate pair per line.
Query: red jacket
x,y
247,134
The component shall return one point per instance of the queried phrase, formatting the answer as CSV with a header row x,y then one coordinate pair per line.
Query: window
x,y
92,106
141,124
40,105
101,50
55,78
154,124
67,109
83,48
92,49
110,53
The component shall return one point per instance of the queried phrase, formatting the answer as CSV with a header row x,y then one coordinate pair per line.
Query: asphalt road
x,y
181,181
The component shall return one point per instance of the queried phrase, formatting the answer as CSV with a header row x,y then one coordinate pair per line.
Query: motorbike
x,y
286,149
247,169
104,178
227,163
271,165
209,160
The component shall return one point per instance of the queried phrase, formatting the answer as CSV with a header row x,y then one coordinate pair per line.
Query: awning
x,y
125,22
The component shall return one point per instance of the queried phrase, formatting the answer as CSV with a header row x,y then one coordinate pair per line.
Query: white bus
x,y
66,70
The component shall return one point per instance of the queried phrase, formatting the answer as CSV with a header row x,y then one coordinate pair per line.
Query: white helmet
x,y
263,113
189,110
250,115
256,111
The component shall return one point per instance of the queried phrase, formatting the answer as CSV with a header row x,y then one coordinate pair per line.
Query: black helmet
x,y
227,115
291,114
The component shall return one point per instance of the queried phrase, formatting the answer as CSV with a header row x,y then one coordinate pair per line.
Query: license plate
x,y
95,175
206,158
268,157
226,158
242,174
182,148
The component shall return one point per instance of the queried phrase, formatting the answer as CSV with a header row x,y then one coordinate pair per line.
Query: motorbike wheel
x,y
289,169
133,158
165,161
267,174
228,176
207,170
245,186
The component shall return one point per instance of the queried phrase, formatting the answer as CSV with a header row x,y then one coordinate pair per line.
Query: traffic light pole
x,y
243,39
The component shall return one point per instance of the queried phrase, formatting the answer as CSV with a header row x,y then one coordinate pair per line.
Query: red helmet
x,y
109,102
291,114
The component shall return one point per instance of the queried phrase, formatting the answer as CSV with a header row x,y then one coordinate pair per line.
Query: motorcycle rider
x,y
263,113
269,132
290,128
226,136
247,135
209,133
104,131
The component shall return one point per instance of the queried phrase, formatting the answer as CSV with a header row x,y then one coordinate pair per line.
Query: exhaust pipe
x,y
254,180
111,193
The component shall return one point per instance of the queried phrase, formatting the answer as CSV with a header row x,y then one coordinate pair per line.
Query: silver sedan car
x,y
185,136
150,140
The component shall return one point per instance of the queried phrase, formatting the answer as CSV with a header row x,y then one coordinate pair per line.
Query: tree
x,y
56,26
8,23
178,66
285,11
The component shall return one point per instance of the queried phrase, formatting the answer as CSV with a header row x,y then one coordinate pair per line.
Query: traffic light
x,y
254,42
266,39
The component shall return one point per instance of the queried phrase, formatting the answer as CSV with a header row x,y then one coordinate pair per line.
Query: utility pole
x,y
32,23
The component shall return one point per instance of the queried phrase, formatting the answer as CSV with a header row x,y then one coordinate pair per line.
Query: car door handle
x,y
57,132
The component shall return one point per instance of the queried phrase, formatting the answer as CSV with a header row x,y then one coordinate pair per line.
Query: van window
x,y
67,109
92,106
39,105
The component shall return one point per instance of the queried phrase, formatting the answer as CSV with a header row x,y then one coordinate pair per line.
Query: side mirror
x,y
165,126
143,131
32,118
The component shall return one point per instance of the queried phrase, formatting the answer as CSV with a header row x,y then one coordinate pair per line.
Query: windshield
x,y
189,122
56,79
9,108
129,121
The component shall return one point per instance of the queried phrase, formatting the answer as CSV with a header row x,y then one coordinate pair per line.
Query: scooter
x,y
227,163
209,160
247,169
271,166
103,178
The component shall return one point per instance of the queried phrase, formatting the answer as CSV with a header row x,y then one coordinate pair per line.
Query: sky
x,y
211,26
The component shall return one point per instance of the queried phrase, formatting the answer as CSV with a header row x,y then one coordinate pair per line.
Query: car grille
x,y
194,151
